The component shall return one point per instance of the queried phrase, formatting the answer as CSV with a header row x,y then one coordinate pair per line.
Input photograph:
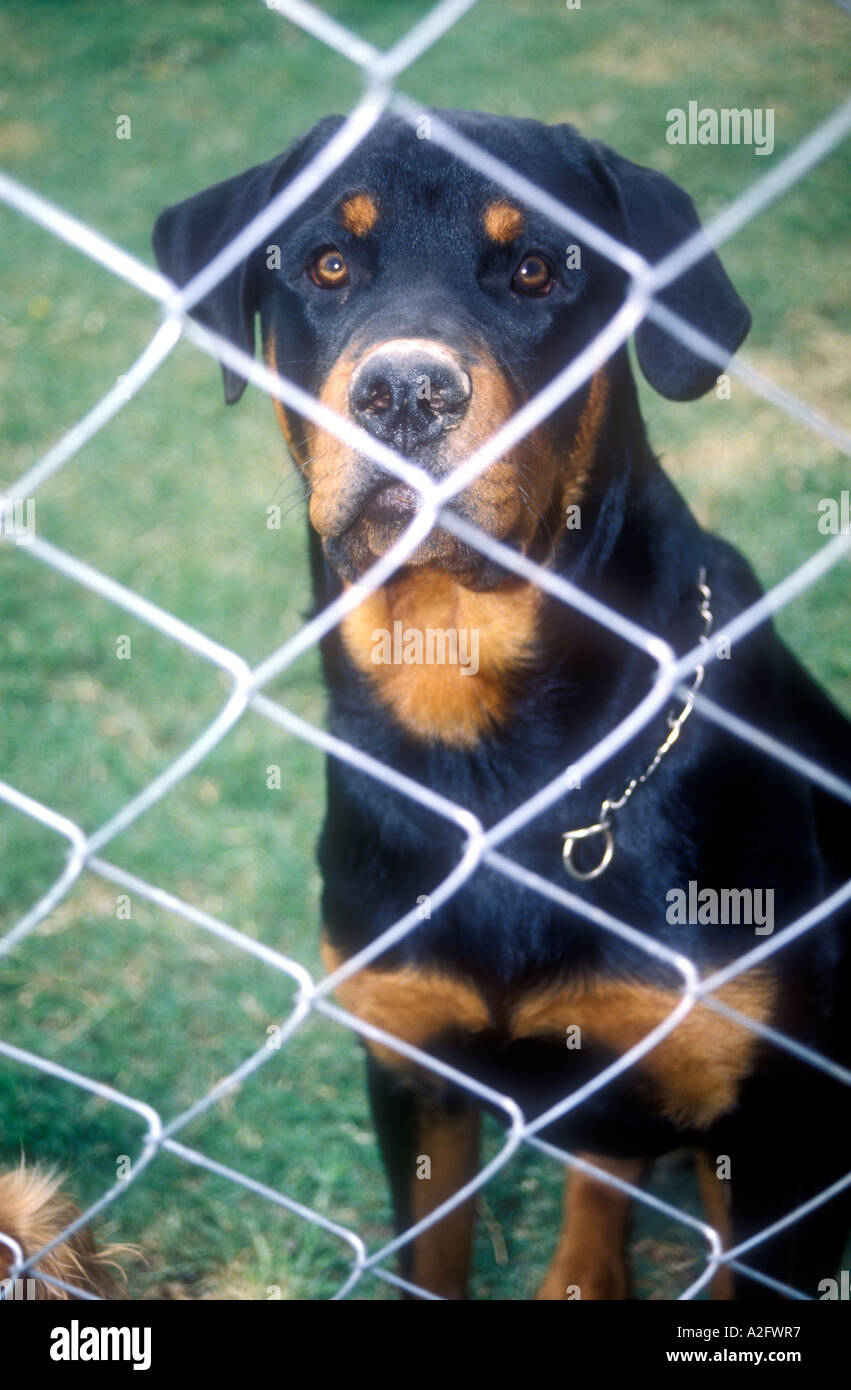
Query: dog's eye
x,y
329,269
533,276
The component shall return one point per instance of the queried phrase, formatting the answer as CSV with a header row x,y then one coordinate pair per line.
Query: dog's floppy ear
x,y
188,235
657,215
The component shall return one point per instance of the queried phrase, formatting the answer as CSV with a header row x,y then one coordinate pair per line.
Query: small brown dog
x,y
33,1210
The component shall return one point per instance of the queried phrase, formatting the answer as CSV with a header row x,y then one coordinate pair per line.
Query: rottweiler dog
x,y
426,304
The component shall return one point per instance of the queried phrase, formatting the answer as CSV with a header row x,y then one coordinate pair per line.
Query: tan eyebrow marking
x,y
359,214
503,221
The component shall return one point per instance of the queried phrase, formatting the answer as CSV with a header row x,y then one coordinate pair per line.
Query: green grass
x,y
171,500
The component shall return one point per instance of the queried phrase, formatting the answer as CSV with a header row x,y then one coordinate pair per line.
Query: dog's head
x,y
426,304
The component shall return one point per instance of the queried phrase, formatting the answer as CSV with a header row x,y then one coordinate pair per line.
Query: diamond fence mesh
x,y
86,851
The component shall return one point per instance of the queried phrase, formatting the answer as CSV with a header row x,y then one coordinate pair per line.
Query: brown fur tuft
x,y
33,1210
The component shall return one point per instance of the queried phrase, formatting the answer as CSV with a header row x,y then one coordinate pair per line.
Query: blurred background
x,y
171,500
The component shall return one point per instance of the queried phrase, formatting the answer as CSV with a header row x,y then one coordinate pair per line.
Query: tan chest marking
x,y
446,702
696,1071
413,1005
694,1074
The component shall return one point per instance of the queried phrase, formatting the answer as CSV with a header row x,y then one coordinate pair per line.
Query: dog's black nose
x,y
406,393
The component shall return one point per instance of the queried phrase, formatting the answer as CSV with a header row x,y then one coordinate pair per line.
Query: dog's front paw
x,y
576,1277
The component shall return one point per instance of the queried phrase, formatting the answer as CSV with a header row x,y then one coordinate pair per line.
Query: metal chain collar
x,y
603,826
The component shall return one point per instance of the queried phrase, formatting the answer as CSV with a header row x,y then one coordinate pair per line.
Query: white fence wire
x,y
380,71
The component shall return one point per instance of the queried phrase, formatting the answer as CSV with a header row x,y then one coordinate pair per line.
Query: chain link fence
x,y
86,852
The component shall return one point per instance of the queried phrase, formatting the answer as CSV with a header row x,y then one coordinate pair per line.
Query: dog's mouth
x,y
385,515
392,506
382,516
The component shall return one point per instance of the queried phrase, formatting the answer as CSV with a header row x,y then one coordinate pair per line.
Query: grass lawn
x,y
171,501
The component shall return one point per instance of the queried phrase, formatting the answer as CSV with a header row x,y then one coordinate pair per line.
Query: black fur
x,y
716,810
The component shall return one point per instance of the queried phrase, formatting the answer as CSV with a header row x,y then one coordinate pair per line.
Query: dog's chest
x,y
691,1075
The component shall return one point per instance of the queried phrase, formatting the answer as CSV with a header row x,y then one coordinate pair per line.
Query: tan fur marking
x,y
331,468
715,1196
33,1210
441,1255
583,450
696,1071
280,412
504,222
359,214
591,1253
414,1005
441,702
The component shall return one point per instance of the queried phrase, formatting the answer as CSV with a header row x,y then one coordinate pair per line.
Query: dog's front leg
x,y
430,1145
590,1260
